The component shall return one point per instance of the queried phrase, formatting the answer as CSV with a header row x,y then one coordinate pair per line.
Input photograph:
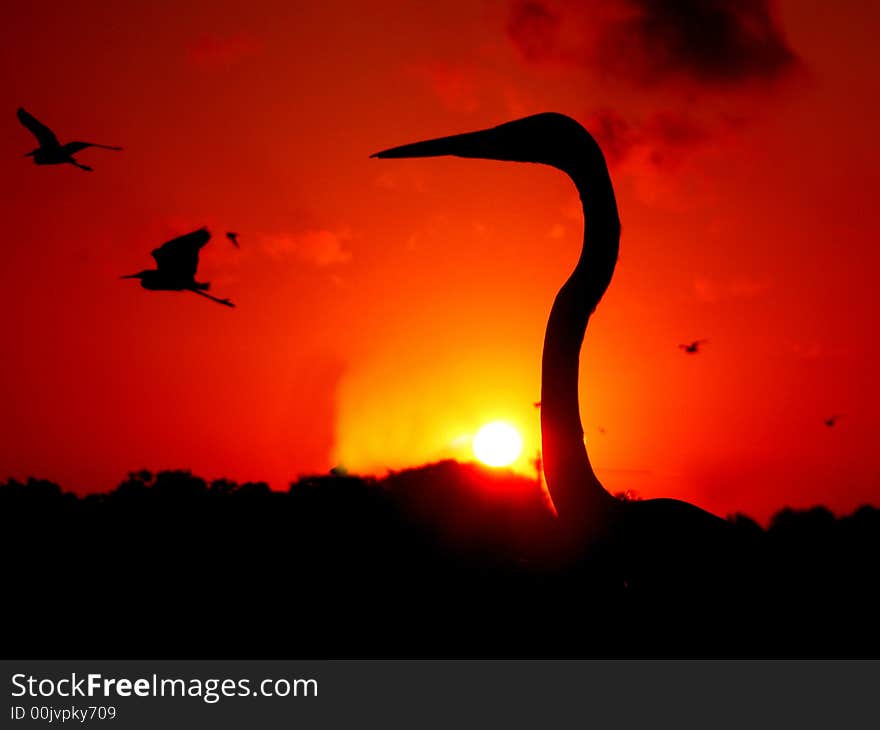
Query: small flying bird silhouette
x,y
693,347
176,264
51,151
232,236
830,422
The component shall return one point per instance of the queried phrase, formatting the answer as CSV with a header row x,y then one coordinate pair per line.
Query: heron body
x,y
155,280
176,263
51,151
588,514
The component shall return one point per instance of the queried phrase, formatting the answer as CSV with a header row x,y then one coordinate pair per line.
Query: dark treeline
x,y
444,560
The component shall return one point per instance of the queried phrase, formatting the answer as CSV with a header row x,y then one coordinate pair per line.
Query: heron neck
x,y
580,499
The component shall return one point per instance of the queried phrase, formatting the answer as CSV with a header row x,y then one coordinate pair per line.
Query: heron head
x,y
547,138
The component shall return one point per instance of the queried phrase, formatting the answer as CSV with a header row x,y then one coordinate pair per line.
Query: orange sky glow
x,y
386,309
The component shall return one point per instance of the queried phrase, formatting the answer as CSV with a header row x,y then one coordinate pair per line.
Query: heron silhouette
x,y
651,533
694,347
176,264
51,151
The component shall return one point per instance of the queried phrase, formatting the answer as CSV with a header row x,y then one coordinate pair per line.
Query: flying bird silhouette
x,y
694,347
831,422
232,236
653,537
176,264
51,151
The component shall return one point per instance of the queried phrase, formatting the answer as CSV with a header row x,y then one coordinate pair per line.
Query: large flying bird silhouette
x,y
176,264
51,151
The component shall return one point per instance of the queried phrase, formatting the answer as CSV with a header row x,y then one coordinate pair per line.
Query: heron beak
x,y
495,143
131,276
28,154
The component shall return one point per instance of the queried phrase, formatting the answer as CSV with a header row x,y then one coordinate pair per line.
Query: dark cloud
x,y
710,42
713,41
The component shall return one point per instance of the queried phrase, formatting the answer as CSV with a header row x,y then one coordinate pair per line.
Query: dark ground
x,y
446,560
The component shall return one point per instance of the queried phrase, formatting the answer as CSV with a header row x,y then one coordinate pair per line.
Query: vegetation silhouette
x,y
445,560
694,347
51,151
176,264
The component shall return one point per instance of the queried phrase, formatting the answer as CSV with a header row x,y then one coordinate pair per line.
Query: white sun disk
x,y
497,444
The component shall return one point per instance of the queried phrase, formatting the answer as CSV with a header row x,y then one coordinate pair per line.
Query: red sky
x,y
388,308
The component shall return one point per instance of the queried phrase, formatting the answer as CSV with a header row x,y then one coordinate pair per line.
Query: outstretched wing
x,y
72,148
180,256
45,136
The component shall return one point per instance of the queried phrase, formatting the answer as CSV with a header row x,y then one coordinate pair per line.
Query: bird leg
x,y
213,299
81,167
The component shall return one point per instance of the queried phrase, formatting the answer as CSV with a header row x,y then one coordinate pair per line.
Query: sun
x,y
497,444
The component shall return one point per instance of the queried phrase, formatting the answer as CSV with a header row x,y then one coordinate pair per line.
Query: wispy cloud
x,y
533,27
321,248
663,140
220,52
711,290
454,85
